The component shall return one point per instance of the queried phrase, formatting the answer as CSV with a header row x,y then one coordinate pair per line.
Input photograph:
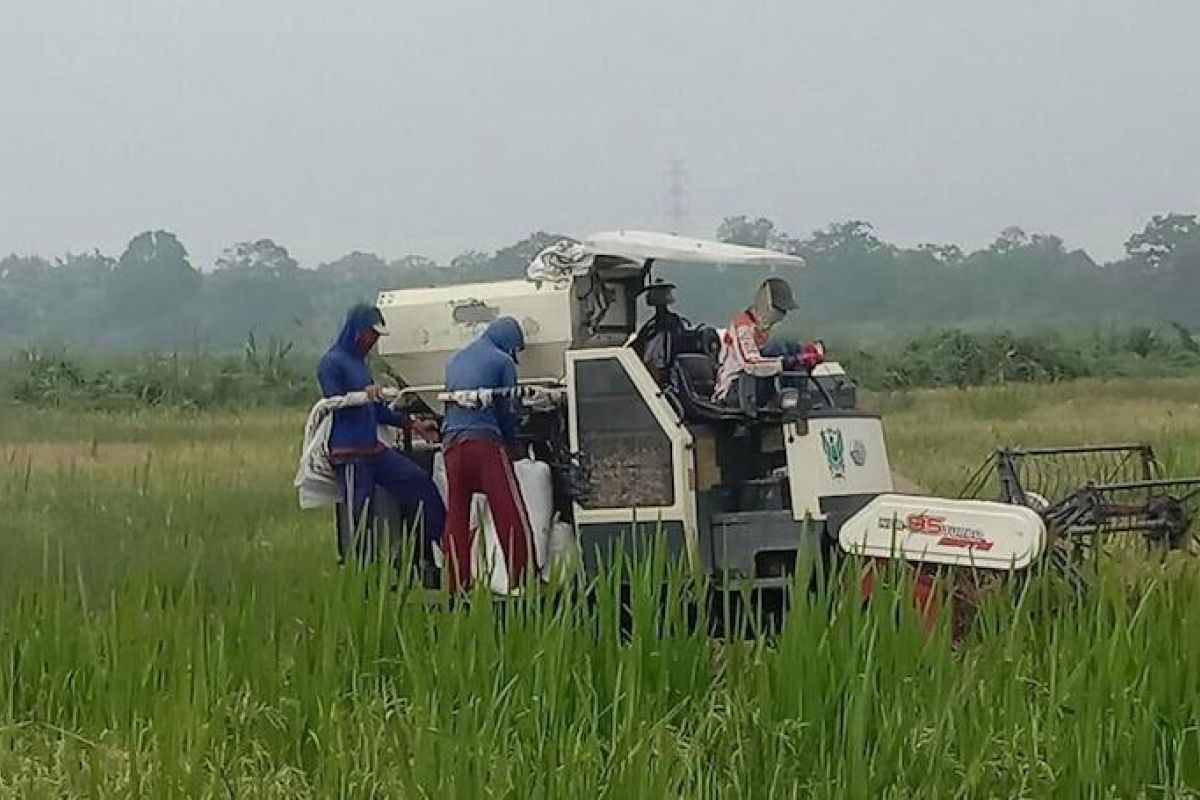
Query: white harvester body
x,y
663,460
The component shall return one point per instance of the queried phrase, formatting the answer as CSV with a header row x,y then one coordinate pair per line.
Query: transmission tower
x,y
676,208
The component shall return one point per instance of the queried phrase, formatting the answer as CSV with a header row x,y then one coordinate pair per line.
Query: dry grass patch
x,y
68,456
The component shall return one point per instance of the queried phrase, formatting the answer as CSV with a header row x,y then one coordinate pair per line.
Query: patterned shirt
x,y
741,353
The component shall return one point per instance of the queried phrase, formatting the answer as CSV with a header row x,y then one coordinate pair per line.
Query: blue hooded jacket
x,y
344,369
489,362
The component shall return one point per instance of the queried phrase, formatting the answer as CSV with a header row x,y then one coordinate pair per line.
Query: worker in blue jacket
x,y
478,442
362,460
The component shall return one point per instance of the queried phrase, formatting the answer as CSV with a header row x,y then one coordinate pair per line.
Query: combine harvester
x,y
637,458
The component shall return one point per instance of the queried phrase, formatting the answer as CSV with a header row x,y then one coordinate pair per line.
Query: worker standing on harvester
x,y
362,460
747,353
479,435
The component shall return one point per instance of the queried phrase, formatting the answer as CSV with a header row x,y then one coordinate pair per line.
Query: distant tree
x,y
414,262
356,277
263,258
473,261
1011,238
854,235
80,282
60,301
1185,261
1048,248
1163,269
153,276
1023,275
156,253
1162,237
151,295
512,261
356,266
24,295
950,255
87,266
18,268
851,274
1048,243
759,232
257,288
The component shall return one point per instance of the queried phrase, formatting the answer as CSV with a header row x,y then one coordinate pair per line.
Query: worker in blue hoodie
x,y
477,443
364,462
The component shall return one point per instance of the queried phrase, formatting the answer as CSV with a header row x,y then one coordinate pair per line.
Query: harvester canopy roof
x,y
632,251
641,246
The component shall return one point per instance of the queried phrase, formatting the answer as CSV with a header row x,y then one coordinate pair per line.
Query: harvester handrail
x,y
808,377
1154,483
1075,449
431,388
1092,529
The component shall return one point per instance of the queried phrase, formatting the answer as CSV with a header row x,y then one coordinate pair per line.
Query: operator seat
x,y
693,378
701,339
697,369
658,340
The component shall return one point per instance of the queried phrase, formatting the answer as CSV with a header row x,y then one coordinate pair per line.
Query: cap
x,y
378,325
780,294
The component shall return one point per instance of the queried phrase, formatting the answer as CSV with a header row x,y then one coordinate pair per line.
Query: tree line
x,y
154,297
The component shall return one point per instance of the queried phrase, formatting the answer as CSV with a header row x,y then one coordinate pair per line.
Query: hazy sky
x,y
399,126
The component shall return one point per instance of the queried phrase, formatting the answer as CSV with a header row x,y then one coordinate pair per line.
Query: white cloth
x,y
560,262
564,262
471,398
485,398
316,478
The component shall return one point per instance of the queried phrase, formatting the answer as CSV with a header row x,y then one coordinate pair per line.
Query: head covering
x,y
506,334
359,319
772,301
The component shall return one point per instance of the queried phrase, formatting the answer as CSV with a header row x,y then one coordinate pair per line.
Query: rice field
x,y
171,625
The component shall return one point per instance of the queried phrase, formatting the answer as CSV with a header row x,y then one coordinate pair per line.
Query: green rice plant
x,y
171,625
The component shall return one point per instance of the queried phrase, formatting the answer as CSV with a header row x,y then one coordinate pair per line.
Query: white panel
x,y
684,508
839,455
428,326
946,531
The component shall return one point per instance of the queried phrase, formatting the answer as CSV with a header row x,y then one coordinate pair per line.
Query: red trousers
x,y
482,467
924,594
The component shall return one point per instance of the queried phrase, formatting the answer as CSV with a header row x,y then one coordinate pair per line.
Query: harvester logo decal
x,y
949,534
835,451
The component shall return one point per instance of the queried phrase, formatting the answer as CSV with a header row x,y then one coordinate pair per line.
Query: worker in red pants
x,y
479,433
924,593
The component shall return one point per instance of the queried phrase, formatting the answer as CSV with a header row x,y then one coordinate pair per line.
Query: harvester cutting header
x,y
647,441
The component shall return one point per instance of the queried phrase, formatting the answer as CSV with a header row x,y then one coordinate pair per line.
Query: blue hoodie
x,y
344,369
489,362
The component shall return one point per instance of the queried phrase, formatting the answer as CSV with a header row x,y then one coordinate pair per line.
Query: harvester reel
x,y
1092,495
1171,519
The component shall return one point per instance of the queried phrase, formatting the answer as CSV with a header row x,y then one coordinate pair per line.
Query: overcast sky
x,y
399,126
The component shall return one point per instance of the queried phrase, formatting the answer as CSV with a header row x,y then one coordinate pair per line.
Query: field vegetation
x,y
273,374
172,625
